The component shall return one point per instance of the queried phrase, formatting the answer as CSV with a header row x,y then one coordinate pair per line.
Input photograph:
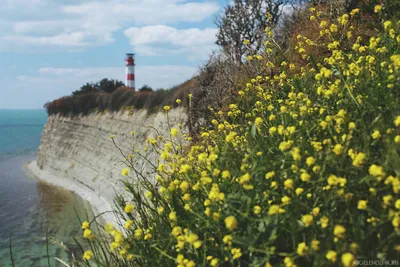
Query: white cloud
x,y
155,40
75,39
166,34
146,12
82,23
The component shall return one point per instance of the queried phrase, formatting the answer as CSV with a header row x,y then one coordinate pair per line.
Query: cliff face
x,y
80,149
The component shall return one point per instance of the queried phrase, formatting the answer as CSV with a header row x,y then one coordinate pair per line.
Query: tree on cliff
x,y
146,88
104,85
247,20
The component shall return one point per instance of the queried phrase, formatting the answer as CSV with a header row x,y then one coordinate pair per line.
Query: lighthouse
x,y
130,71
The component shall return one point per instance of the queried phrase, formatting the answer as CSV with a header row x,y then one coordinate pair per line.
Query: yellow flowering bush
x,y
316,185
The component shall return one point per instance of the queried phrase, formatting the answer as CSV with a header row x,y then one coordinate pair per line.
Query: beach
x,y
100,205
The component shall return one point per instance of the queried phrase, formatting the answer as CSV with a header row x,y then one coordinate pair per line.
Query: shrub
x,y
105,85
302,169
84,103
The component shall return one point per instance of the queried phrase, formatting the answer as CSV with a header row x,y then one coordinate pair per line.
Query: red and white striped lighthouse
x,y
130,71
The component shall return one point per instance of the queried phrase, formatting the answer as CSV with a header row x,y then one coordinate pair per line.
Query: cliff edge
x,y
77,153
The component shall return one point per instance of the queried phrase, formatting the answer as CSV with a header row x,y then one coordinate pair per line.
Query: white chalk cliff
x,y
78,154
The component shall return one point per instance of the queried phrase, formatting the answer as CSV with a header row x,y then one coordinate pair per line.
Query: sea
x,y
38,221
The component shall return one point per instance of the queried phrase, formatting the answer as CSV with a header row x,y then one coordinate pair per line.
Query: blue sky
x,y
49,48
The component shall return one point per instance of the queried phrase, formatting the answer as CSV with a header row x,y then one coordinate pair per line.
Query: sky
x,y
49,48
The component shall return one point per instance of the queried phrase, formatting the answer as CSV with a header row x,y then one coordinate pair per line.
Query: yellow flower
x,y
397,139
246,42
174,132
125,172
123,252
88,254
178,101
172,216
257,209
310,161
397,204
176,231
324,222
355,11
197,244
148,194
338,149
214,262
387,25
114,245
307,220
185,168
358,160
376,170
109,227
331,255
333,28
128,208
88,234
299,191
186,197
339,230
387,199
323,24
128,224
302,249
226,174
315,245
377,8
269,175
285,200
258,121
285,145
227,240
138,234
348,259
397,121
231,223
296,153
191,238
376,134
316,169
288,184
184,186
275,209
288,262
315,211
236,253
305,177
167,108
362,204
85,225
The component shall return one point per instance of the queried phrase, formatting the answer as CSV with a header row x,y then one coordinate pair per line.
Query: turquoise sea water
x,y
29,208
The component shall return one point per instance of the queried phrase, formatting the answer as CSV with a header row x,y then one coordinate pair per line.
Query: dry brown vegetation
x,y
121,98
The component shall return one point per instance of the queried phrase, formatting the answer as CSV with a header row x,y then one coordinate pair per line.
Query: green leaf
x,y
394,159
254,130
